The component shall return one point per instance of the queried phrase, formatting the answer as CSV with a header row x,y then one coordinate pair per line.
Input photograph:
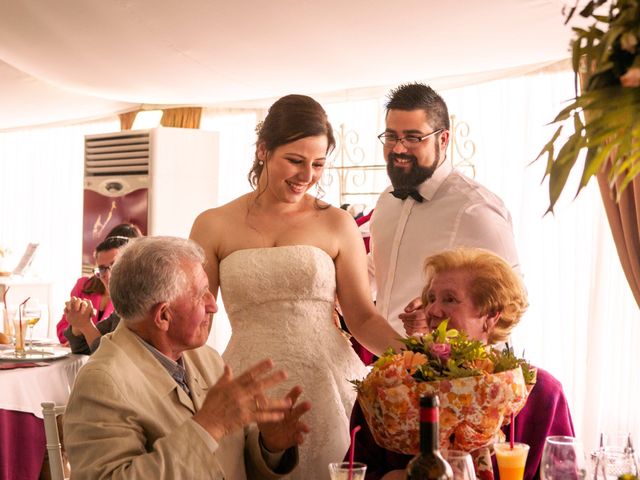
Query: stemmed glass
x,y
461,464
563,459
31,315
615,457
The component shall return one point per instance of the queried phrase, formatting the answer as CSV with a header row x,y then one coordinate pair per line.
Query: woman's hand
x,y
79,313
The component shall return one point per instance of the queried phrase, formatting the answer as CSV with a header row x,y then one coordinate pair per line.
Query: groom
x,y
154,402
431,206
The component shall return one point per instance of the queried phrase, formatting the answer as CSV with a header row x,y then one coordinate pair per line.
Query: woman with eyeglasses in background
x,y
95,289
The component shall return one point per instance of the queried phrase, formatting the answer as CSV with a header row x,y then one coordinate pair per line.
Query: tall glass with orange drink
x,y
511,461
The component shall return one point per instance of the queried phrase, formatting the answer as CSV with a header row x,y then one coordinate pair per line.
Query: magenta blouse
x,y
95,299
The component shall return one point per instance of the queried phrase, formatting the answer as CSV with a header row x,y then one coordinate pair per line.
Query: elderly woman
x,y
480,294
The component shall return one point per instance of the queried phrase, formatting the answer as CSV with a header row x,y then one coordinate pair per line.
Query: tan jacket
x,y
127,418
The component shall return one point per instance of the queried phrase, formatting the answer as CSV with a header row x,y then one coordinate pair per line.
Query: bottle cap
x,y
429,401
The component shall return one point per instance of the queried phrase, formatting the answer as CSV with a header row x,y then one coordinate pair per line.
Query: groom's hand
x,y
414,318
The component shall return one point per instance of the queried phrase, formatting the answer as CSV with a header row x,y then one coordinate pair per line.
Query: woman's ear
x,y
261,151
490,321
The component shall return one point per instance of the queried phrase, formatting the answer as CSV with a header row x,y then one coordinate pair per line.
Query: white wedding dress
x,y
280,303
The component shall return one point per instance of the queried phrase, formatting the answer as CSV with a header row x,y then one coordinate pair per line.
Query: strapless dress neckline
x,y
275,247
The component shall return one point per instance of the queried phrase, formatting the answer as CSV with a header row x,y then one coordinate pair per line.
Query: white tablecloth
x,y
24,389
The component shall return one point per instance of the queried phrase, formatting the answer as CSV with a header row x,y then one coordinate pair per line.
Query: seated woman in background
x,y
128,230
481,295
95,289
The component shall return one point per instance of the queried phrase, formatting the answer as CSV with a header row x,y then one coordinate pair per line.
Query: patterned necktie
x,y
403,193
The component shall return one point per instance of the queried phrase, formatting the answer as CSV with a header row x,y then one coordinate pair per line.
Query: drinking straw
x,y
20,309
6,311
512,428
352,449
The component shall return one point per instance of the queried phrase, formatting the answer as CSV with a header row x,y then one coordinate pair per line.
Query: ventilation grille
x,y
121,153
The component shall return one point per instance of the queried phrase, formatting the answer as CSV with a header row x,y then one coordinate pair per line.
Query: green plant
x,y
604,118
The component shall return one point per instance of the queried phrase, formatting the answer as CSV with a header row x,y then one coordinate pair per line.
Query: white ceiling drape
x,y
77,59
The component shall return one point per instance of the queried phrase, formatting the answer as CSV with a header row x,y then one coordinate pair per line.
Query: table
x,y
22,440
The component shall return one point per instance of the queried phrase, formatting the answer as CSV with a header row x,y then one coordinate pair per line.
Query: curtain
x,y
186,117
624,221
127,119
41,188
236,149
622,214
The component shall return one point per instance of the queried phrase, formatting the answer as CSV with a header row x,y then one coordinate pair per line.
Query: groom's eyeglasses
x,y
408,141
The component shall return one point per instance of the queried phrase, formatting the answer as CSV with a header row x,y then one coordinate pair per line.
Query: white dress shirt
x,y
456,211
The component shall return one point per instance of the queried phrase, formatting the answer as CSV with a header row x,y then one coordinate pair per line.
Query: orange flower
x,y
483,364
412,360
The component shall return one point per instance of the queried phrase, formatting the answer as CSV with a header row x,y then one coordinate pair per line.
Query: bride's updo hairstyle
x,y
289,119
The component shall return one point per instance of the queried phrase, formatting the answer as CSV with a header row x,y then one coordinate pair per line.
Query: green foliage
x,y
605,117
451,354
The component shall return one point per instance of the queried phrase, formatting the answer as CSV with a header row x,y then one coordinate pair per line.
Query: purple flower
x,y
442,351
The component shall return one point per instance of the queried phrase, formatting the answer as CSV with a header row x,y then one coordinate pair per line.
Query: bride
x,y
280,257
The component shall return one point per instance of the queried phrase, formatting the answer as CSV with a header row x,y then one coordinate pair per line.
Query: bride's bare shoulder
x,y
218,218
338,216
223,212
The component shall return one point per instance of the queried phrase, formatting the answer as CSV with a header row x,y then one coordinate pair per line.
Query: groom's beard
x,y
415,175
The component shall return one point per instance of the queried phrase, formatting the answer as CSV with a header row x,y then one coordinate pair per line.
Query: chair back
x,y
50,411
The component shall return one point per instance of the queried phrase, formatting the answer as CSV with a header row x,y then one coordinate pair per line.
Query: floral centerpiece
x,y
603,118
479,387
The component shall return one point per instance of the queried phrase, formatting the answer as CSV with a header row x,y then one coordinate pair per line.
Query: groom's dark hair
x,y
415,96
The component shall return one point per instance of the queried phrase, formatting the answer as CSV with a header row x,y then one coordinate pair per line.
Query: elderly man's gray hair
x,y
149,271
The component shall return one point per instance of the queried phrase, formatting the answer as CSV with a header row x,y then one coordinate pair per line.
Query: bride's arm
x,y
360,314
205,233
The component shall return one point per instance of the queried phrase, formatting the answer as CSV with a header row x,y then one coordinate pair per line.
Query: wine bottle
x,y
429,463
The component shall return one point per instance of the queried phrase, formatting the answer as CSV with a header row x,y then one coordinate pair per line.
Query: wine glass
x,y
563,459
461,464
31,315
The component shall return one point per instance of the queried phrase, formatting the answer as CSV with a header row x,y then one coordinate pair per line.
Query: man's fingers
x,y
301,409
226,377
254,372
268,416
273,404
294,394
266,382
414,304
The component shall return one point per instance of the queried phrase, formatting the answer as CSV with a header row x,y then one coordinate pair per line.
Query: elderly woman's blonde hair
x,y
494,286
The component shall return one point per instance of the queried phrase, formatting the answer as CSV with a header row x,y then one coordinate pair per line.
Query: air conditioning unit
x,y
158,179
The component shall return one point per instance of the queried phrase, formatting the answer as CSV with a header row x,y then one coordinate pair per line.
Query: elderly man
x,y
154,402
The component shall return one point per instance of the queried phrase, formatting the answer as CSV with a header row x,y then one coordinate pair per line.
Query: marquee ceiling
x,y
65,60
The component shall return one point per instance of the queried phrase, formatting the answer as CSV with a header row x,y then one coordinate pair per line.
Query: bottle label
x,y
429,415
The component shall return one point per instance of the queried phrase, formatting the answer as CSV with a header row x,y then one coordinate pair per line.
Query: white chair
x,y
50,411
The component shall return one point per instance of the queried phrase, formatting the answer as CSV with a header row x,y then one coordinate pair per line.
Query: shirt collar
x,y
430,186
173,368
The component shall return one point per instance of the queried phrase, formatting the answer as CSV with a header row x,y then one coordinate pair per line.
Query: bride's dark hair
x,y
289,119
